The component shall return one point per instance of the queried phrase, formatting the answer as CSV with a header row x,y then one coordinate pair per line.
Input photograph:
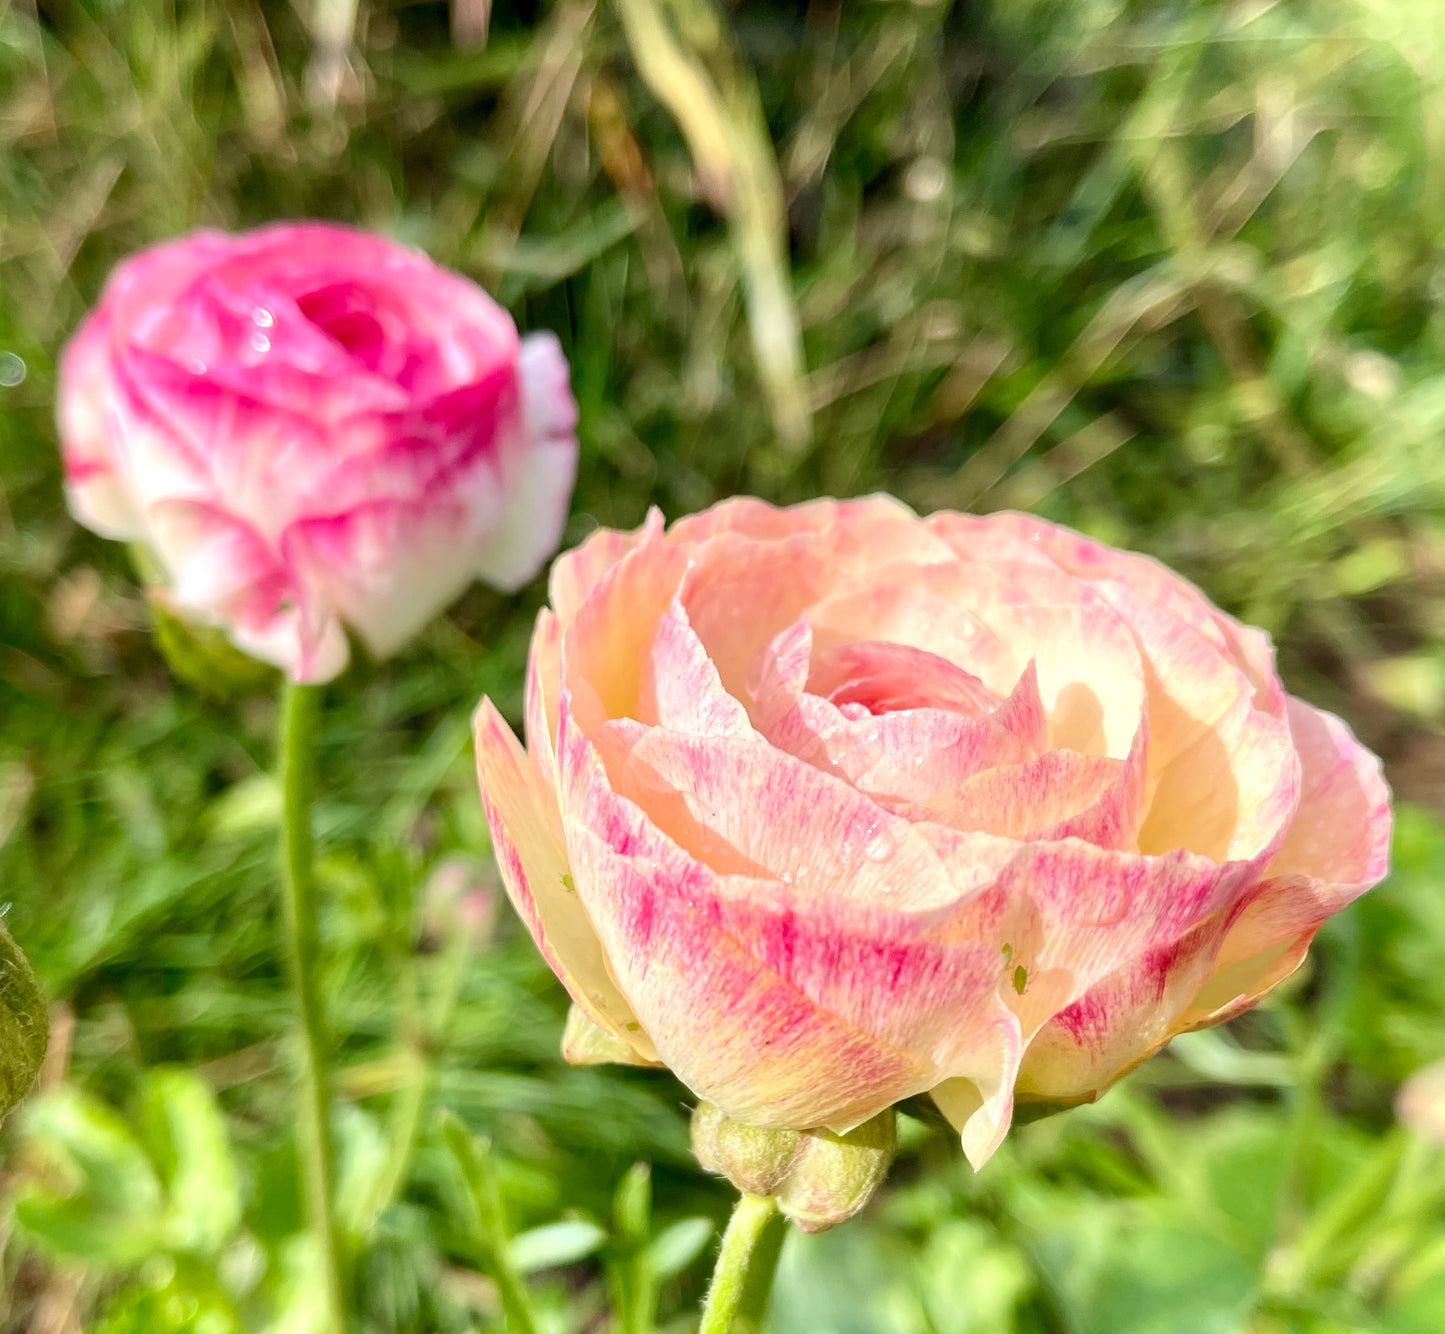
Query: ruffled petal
x,y
95,485
782,1006
538,472
532,854
1337,847
576,573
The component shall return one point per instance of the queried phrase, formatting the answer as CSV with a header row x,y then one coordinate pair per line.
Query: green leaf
x,y
103,1202
203,1192
555,1244
676,1247
24,1029
632,1205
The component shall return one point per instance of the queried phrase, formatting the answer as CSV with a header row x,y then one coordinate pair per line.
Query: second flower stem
x,y
743,1279
300,713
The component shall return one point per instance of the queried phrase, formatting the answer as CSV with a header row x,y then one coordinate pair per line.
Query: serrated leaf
x,y
24,1027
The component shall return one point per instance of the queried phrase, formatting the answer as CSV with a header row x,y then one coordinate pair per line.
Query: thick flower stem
x,y
743,1278
300,710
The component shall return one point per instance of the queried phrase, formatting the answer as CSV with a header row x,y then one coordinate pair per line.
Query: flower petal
x,y
1337,848
538,470
782,1006
1120,1021
543,685
531,852
576,573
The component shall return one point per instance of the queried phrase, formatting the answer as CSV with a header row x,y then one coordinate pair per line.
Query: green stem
x,y
300,711
743,1278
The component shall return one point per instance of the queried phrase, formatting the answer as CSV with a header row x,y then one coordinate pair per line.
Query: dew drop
x,y
263,317
881,847
197,366
260,342
12,370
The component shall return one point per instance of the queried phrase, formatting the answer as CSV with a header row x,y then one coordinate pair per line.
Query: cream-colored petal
x,y
532,854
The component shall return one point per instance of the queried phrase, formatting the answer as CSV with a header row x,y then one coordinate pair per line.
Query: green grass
x,y
1169,272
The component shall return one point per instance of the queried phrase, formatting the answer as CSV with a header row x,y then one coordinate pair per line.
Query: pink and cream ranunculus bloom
x,y
831,806
314,428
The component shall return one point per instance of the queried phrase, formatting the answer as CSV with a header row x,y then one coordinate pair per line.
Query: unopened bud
x,y
818,1178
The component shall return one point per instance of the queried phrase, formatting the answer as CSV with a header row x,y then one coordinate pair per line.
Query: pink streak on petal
x,y
1060,794
1337,848
543,687
885,678
577,572
681,690
531,852
538,470
1122,1020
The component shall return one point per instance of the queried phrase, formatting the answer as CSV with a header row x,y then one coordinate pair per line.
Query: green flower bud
x,y
818,1178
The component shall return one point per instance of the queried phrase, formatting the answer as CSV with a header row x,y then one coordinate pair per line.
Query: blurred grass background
x,y
1169,271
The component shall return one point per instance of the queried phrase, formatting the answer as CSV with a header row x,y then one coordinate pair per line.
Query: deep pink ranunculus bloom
x,y
830,806
315,428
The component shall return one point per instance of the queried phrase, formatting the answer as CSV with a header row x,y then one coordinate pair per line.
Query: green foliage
x,y
22,1023
1166,270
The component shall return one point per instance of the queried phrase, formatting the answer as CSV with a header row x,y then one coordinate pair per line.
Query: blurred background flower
x,y
311,429
1169,272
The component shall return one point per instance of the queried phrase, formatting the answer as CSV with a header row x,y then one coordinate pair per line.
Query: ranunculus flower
x,y
829,806
313,428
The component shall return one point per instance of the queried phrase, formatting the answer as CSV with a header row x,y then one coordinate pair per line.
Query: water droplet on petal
x,y
12,370
263,317
197,366
260,342
880,847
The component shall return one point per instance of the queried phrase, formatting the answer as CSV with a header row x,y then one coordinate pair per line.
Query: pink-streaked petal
x,y
543,686
308,651
539,471
531,852
1120,1021
1069,914
1337,848
992,620
576,573
885,678
803,1010
912,754
607,648
749,517
742,807
730,1028
387,568
85,394
225,573
802,826
681,690
1060,794
1248,647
